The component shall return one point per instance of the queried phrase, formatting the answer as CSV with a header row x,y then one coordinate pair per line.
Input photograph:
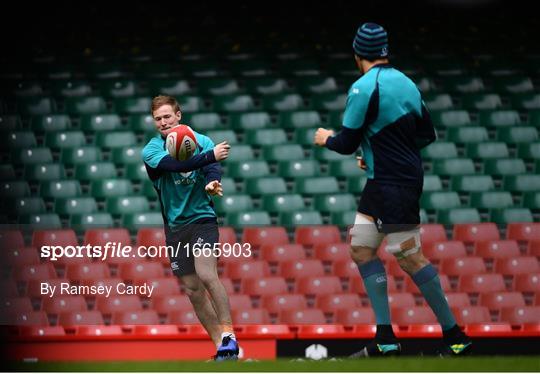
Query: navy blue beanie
x,y
371,41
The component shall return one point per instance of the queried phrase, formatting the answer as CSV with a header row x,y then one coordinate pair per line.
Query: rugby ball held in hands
x,y
181,142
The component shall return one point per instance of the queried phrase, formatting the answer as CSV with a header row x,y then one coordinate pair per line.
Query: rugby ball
x,y
181,142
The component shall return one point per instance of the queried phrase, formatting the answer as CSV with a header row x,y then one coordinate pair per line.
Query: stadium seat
x,y
247,270
334,203
35,318
258,236
100,237
95,171
303,136
504,166
463,266
282,252
127,205
82,222
329,101
453,166
117,303
234,103
80,155
458,215
491,200
35,272
169,86
300,119
21,139
331,252
314,84
283,203
78,318
111,187
440,150
479,232
100,122
14,306
345,269
39,105
98,270
451,118
401,300
240,302
533,248
531,200
41,221
413,315
126,156
282,152
14,189
522,183
318,285
115,139
529,150
65,139
523,231
170,303
467,134
438,101
99,330
507,215
442,250
250,120
60,189
248,169
266,186
517,134
140,270
139,317
27,205
298,168
266,85
520,315
494,249
266,137
355,316
77,106
317,235
44,172
294,269
111,283
526,282
481,101
249,218
130,105
472,183
300,218
19,256
161,286
277,303
528,101
250,316
264,286
410,286
440,200
457,299
11,239
302,317
488,150
471,314
430,233
498,300
242,152
481,283
282,102
50,122
75,205
499,118
64,304
29,156
518,265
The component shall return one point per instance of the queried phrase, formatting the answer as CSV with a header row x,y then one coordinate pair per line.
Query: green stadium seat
x,y
443,200
481,101
115,139
335,203
233,103
169,86
262,137
192,103
343,219
266,85
344,168
7,172
28,156
50,122
128,155
60,189
487,150
458,215
491,200
266,186
28,205
451,118
298,168
283,102
534,118
468,134
324,154
41,221
531,200
453,166
440,149
463,84
248,218
136,172
241,152
202,122
509,215
251,120
68,139
217,86
83,222
504,166
28,89
522,183
11,122
95,171
44,172
136,221
438,101
316,185
300,119
218,136
529,150
304,136
233,204
283,152
21,139
518,134
140,122
356,184
329,101
105,188
34,106
80,155
228,185
335,119
70,88
129,105
248,67
248,169
283,203
472,183
513,84
306,217
117,87
127,205
499,118
100,122
14,189
86,105
432,183
75,205
525,101
315,84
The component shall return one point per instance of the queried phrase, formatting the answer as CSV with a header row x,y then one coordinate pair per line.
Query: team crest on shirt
x,y
185,179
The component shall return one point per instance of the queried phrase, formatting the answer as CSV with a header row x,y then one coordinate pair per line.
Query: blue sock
x,y
429,284
374,276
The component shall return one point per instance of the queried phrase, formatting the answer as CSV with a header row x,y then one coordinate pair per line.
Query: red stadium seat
x,y
410,286
61,304
33,288
240,302
413,315
98,270
357,285
87,317
520,315
518,265
120,303
498,300
301,268
250,316
29,319
15,305
462,266
141,270
277,303
100,237
9,288
332,252
259,236
345,269
137,317
150,236
99,330
162,286
156,330
302,317
527,282
35,272
11,239
476,232
401,300
493,249
107,282
264,286
182,317
533,248
481,283
331,303
319,285
282,252
475,328
443,250
524,231
227,235
431,233
317,235
471,314
32,331
457,299
171,303
355,316
63,237
245,270
18,257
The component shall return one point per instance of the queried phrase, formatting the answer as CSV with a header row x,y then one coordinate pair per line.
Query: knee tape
x,y
403,244
364,233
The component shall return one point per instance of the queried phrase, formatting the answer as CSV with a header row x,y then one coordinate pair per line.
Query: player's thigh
x,y
365,239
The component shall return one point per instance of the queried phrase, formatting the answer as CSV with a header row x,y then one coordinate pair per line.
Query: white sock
x,y
229,334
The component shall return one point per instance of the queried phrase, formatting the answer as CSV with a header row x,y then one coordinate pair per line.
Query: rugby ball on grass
x,y
181,142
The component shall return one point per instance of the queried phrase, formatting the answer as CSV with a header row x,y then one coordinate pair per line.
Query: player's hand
x,y
214,188
361,163
221,151
321,135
